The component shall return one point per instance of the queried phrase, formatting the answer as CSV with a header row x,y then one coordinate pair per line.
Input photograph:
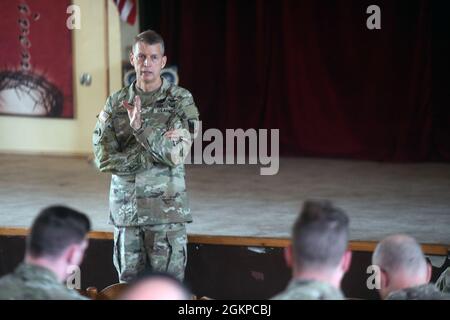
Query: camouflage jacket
x,y
147,183
309,290
443,283
423,292
30,282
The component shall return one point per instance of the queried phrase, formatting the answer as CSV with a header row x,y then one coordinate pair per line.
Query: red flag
x,y
127,10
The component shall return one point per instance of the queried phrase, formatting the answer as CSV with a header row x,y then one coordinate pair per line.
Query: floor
x,y
236,200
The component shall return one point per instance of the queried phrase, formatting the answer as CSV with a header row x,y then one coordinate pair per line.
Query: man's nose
x,y
146,61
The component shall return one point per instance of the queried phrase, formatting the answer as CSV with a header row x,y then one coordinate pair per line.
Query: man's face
x,y
148,60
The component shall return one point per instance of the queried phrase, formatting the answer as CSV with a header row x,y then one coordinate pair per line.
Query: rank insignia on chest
x,y
162,107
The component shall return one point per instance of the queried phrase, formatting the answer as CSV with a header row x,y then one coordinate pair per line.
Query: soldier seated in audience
x,y
55,245
318,254
157,286
403,270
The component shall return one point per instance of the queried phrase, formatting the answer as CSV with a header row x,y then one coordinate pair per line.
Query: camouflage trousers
x,y
160,248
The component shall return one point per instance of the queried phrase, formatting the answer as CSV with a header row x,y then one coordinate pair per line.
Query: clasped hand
x,y
134,114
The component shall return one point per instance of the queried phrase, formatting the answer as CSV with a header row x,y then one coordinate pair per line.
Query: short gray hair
x,y
320,236
149,37
399,253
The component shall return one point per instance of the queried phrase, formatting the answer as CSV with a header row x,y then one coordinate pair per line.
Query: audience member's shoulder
x,y
12,290
31,283
8,287
309,290
423,292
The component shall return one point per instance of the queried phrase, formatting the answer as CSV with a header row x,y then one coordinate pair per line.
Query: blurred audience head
x,y
156,286
402,264
319,243
58,239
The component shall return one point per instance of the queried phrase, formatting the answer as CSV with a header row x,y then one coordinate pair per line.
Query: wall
x,y
90,54
128,33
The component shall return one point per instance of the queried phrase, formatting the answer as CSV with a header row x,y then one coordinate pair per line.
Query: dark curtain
x,y
313,70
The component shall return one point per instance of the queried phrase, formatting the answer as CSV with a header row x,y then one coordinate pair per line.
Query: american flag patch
x,y
103,116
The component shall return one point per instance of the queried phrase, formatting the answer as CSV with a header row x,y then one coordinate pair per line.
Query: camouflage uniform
x,y
31,282
309,290
443,283
423,292
148,201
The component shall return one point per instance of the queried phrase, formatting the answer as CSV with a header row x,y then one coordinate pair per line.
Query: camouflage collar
x,y
161,94
325,286
31,271
421,292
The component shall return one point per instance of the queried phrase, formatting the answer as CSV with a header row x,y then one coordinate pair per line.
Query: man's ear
x,y
384,279
346,260
288,256
72,254
75,253
132,58
429,272
164,61
385,283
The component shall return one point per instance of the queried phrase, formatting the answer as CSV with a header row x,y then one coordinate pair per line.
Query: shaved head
x,y
400,254
157,287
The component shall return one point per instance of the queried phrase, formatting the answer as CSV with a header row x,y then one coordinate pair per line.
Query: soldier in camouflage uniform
x,y
142,137
56,242
404,271
318,255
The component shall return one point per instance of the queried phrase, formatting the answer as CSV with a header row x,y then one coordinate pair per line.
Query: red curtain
x,y
314,70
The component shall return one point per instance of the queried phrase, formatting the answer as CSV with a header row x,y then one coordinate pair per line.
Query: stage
x,y
236,201
242,220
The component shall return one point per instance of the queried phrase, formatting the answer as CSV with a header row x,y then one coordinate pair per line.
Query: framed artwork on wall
x,y
36,59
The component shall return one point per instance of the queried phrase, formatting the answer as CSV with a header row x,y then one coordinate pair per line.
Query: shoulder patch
x,y
104,116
